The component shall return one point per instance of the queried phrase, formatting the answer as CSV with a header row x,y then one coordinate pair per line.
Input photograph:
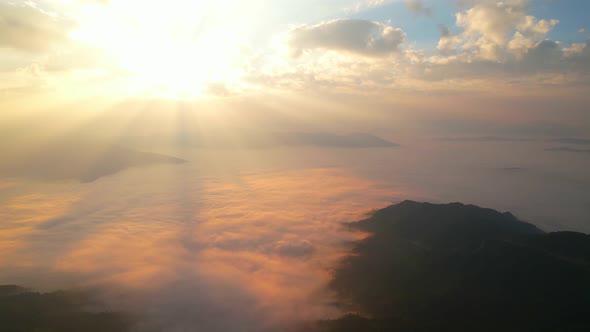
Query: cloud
x,y
28,28
365,4
448,42
568,149
483,139
545,54
491,22
499,40
418,7
370,3
493,42
214,252
300,248
79,57
531,26
489,27
356,36
578,55
578,141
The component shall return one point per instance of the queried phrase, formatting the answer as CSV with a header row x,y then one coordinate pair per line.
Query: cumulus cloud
x,y
578,52
490,40
348,35
448,41
24,26
418,7
544,54
499,40
489,27
491,21
374,3
493,41
532,26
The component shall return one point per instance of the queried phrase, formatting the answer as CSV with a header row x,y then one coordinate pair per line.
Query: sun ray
x,y
177,50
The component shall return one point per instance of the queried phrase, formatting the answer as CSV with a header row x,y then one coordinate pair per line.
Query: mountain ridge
x,y
457,267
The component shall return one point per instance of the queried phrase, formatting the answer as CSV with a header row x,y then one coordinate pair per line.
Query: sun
x,y
174,48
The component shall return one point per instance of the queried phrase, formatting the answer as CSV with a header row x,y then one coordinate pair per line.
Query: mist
x,y
197,165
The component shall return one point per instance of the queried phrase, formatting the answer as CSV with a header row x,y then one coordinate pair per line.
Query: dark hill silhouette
x,y
355,140
263,140
456,267
22,310
79,159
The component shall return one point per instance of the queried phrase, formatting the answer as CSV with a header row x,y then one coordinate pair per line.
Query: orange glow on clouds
x,y
273,235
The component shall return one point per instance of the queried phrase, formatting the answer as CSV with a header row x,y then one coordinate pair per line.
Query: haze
x,y
195,160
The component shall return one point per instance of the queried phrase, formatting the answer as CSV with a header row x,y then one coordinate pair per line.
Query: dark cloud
x,y
483,139
418,7
546,55
568,149
509,169
261,139
578,141
348,35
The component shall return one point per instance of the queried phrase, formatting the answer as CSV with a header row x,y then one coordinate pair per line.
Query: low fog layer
x,y
245,235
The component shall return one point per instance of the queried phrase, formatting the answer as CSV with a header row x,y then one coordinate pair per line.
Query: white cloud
x,y
491,21
490,40
448,41
531,26
490,29
26,27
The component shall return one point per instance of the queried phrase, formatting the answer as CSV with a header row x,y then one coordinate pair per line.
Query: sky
x,y
204,154
201,49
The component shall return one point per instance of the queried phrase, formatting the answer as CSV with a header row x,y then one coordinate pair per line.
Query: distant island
x,y
263,140
82,160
